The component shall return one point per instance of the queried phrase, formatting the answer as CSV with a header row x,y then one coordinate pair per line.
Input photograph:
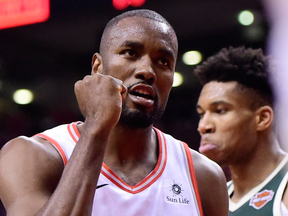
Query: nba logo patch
x,y
261,199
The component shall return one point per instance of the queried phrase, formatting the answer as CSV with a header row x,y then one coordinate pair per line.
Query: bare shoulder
x,y
204,166
30,169
31,150
211,184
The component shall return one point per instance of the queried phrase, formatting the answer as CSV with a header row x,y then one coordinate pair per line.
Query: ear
x,y
264,118
97,64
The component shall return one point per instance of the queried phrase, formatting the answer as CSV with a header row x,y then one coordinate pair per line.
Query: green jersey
x,y
264,199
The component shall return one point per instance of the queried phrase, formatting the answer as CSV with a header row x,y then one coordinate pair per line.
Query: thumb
x,y
124,91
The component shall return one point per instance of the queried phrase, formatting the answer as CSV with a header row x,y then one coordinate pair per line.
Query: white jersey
x,y
170,189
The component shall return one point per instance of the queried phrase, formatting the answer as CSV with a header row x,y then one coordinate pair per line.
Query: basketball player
x,y
115,162
236,108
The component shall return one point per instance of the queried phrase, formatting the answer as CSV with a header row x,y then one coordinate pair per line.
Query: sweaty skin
x,y
141,53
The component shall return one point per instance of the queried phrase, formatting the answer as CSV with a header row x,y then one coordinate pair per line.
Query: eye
x,y
129,53
221,111
201,114
165,62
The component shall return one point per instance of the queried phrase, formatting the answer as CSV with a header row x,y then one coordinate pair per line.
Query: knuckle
x,y
77,84
86,79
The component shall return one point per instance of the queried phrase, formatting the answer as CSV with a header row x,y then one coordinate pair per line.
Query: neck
x,y
131,143
132,153
247,174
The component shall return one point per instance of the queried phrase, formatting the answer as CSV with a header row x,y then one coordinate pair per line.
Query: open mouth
x,y
142,93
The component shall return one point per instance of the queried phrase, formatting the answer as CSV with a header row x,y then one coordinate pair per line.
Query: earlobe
x,y
96,63
264,118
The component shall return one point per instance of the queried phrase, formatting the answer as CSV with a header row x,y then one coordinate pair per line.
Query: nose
x,y
206,124
145,71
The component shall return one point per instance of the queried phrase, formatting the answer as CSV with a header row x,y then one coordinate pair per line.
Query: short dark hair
x,y
144,13
249,67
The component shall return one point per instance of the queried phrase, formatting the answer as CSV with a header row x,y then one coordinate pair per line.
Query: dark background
x,y
50,57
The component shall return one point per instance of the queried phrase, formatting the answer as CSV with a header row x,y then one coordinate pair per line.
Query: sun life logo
x,y
177,194
176,189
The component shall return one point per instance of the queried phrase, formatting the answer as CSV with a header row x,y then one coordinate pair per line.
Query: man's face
x,y
227,123
142,53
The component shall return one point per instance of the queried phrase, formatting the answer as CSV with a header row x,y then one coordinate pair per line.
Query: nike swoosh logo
x,y
99,186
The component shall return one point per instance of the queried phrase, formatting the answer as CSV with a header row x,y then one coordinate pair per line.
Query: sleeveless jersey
x,y
265,199
170,189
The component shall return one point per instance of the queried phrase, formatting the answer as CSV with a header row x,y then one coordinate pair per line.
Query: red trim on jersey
x,y
71,133
153,176
73,126
56,144
193,176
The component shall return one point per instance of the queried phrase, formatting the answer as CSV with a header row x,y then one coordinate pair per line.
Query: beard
x,y
139,118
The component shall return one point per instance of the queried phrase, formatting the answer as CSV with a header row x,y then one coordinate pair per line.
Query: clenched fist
x,y
100,99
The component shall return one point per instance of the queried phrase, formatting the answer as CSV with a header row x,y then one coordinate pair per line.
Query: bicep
x,y
29,173
212,186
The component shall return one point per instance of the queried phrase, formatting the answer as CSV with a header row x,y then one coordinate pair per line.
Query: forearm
x,y
100,100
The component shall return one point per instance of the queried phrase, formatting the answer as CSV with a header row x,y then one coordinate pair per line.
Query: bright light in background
x,y
178,79
246,17
192,57
23,96
122,4
23,12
